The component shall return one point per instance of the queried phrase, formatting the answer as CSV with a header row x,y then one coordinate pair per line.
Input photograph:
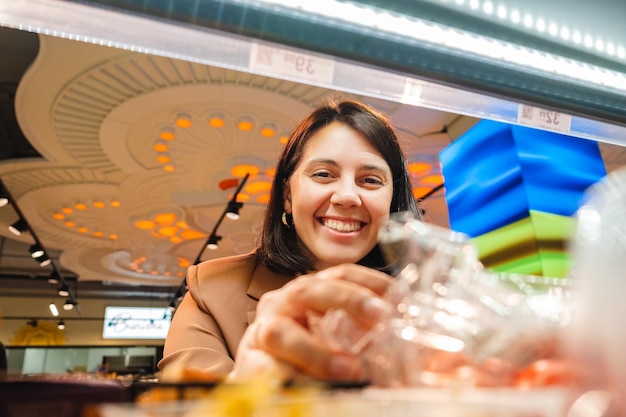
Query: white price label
x,y
544,119
412,92
287,63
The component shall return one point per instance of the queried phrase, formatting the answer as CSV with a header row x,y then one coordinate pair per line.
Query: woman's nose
x,y
346,194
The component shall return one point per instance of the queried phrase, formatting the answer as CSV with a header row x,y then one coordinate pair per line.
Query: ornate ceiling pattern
x,y
141,154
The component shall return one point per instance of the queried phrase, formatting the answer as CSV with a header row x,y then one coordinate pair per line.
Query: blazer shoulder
x,y
229,263
231,267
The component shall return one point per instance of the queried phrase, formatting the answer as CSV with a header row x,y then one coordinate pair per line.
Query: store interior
x,y
123,158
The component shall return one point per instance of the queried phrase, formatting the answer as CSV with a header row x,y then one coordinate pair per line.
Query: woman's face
x,y
339,195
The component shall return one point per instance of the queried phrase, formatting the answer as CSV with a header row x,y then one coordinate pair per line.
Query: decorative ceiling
x,y
140,155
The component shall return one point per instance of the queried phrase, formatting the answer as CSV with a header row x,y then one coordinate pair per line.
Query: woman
x,y
338,178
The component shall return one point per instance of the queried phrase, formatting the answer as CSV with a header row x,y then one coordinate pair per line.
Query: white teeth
x,y
342,226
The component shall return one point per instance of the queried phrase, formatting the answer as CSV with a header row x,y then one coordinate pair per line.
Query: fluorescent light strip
x,y
412,28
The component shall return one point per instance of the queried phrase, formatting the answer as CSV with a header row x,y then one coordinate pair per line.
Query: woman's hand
x,y
280,345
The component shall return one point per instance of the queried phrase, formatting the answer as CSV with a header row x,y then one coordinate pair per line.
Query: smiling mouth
x,y
343,227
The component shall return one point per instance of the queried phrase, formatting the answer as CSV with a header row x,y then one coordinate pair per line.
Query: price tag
x,y
412,92
544,119
287,63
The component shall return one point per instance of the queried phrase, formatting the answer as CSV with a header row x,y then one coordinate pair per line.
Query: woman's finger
x,y
375,280
289,342
310,294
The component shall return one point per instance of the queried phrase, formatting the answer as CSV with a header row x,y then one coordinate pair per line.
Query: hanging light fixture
x,y
212,243
36,251
43,260
61,324
54,277
4,197
69,304
64,290
19,227
232,211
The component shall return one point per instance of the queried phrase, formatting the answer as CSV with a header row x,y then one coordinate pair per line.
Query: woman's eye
x,y
373,181
322,174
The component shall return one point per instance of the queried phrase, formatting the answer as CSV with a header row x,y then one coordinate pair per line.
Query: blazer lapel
x,y
263,280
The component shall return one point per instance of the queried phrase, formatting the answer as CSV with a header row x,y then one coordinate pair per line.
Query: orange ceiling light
x,y
167,225
228,183
419,168
245,124
240,170
116,203
113,236
70,223
242,198
263,199
190,234
98,233
82,229
165,219
167,134
98,204
268,130
67,210
169,168
216,120
284,139
257,187
271,172
145,224
431,180
419,192
160,146
167,231
183,120
58,216
80,206
163,158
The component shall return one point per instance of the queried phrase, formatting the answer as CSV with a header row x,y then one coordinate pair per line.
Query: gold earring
x,y
284,219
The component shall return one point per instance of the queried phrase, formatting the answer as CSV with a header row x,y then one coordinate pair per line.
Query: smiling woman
x,y
338,178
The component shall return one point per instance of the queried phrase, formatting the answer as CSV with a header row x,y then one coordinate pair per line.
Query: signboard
x,y
136,323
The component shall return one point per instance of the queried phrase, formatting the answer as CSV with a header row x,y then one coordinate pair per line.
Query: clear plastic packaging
x,y
453,323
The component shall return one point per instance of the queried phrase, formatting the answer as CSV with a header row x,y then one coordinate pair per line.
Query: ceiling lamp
x,y
4,197
53,309
160,146
268,130
19,227
36,251
183,120
53,278
64,290
69,305
216,120
43,260
419,168
245,124
163,158
167,134
241,170
212,243
61,325
232,211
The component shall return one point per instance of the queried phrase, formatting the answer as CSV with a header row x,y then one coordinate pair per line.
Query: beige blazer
x,y
220,304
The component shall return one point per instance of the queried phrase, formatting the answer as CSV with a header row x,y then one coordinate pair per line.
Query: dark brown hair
x,y
280,249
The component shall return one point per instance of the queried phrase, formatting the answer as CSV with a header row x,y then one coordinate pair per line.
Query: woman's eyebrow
x,y
367,167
